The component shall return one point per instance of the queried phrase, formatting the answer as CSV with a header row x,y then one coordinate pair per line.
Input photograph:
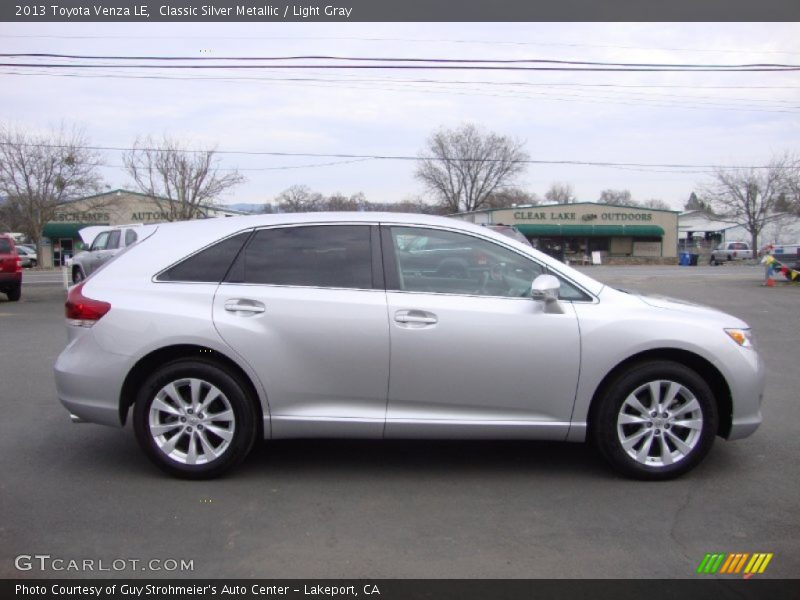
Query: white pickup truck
x,y
728,251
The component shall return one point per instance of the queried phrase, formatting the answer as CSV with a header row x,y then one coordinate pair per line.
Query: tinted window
x,y
101,241
113,240
130,237
210,264
336,256
5,246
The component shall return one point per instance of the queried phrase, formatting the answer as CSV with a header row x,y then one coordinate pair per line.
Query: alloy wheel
x,y
191,421
659,423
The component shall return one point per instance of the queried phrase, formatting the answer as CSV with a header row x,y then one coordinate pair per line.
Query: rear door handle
x,y
242,305
415,317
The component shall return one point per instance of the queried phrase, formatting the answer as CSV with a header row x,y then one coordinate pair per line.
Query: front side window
x,y
333,256
445,262
101,241
436,261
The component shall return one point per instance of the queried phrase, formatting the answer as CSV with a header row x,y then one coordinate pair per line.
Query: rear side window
x,y
210,264
334,256
5,246
130,237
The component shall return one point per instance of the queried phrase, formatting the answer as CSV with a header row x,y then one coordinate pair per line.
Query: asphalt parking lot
x,y
351,509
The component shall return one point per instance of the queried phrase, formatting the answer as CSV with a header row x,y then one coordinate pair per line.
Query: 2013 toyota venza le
x,y
218,332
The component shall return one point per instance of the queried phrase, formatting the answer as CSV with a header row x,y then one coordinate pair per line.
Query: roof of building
x,y
120,191
567,205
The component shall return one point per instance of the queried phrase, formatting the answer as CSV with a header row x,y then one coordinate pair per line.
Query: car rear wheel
x,y
194,420
14,293
657,421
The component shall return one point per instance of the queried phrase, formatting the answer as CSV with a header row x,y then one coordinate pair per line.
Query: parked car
x,y
10,268
104,243
729,251
27,256
214,333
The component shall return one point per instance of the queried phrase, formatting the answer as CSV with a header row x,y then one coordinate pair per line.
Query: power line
x,y
456,81
431,67
638,100
409,40
399,157
392,59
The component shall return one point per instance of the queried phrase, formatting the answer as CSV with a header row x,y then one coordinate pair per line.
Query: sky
x,y
726,119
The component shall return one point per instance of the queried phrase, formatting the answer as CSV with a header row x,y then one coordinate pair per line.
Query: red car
x,y
10,268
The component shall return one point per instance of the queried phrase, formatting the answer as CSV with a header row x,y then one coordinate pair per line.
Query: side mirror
x,y
545,288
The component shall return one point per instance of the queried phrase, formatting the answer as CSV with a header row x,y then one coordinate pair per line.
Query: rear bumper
x,y
89,380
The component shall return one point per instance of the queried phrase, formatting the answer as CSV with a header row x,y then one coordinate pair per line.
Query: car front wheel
x,y
194,420
657,421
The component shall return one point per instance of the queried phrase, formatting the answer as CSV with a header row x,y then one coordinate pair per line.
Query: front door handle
x,y
415,317
242,305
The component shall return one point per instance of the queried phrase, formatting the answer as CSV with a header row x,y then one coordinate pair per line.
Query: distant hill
x,y
246,207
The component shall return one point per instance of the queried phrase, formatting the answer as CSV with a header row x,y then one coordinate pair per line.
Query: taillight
x,y
18,265
82,311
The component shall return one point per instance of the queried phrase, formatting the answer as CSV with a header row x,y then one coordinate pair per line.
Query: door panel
x,y
472,357
486,359
322,355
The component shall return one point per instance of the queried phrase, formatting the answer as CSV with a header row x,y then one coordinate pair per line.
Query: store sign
x,y
607,217
145,215
81,217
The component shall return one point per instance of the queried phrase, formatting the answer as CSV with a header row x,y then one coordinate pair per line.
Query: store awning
x,y
591,230
65,230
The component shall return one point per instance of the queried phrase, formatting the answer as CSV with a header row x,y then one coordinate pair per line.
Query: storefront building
x,y
60,238
582,231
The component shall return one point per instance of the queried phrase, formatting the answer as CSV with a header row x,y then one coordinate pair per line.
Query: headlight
x,y
741,337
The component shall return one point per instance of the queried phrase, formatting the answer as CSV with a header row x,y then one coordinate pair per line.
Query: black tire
x,y
654,462
14,293
77,275
713,262
242,427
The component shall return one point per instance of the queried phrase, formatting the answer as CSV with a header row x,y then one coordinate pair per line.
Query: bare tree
x,y
464,166
657,204
748,196
179,179
299,198
39,174
562,193
510,197
618,197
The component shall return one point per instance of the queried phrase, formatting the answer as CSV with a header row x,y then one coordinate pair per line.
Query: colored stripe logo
x,y
734,563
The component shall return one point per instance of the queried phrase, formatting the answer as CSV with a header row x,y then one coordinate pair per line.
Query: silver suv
x,y
219,332
104,243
